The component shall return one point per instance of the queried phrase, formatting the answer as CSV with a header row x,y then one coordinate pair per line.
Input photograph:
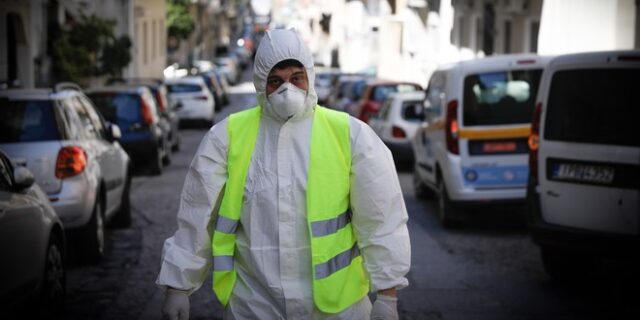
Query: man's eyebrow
x,y
297,73
274,77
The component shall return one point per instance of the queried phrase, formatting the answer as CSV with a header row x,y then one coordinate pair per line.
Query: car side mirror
x,y
22,178
114,133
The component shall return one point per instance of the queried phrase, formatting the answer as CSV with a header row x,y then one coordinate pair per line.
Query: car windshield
x,y
505,97
381,92
604,116
28,121
183,88
120,108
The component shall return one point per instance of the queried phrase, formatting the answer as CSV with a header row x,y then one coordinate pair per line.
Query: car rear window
x,y
119,108
412,111
28,121
381,92
594,106
505,97
183,88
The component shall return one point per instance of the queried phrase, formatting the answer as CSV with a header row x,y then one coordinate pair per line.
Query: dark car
x,y
32,243
134,110
216,89
169,120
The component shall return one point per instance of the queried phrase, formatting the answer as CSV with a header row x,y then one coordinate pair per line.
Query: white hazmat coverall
x,y
273,255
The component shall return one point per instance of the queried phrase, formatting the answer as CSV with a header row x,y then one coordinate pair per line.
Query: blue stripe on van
x,y
499,176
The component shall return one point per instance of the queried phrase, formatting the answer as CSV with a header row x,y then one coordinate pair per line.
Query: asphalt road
x,y
487,269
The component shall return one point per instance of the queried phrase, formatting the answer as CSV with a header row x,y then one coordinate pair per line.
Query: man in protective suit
x,y
299,205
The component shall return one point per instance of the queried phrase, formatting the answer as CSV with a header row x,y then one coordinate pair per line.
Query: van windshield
x,y
505,97
28,121
594,106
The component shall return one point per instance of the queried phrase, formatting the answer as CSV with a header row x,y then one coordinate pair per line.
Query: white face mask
x,y
287,100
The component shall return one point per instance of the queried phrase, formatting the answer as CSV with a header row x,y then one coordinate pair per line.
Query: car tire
x,y
93,236
166,159
567,266
122,219
156,166
176,146
446,210
54,279
420,189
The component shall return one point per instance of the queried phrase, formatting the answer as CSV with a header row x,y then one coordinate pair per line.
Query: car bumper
x,y
402,151
75,201
141,151
577,240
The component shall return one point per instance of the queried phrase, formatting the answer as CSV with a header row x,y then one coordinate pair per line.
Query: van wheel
x,y
156,168
93,235
420,189
566,266
446,213
122,219
54,283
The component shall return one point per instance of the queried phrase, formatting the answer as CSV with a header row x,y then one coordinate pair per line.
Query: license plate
x,y
493,147
583,173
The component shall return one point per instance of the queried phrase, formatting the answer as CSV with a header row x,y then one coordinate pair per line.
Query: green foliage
x,y
179,21
89,48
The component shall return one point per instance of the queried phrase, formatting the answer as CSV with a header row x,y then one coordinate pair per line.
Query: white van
x,y
472,148
584,190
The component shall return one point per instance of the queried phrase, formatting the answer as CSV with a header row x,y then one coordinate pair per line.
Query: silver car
x,y
32,243
75,157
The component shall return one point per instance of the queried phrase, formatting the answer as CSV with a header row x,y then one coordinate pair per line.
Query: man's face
x,y
295,75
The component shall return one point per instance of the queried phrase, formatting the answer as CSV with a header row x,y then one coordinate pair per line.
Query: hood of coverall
x,y
276,46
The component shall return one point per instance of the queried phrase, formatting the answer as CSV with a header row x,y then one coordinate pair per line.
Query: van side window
x,y
435,94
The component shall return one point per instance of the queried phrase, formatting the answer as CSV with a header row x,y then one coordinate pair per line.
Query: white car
x,y
473,147
191,98
75,157
228,65
397,121
584,189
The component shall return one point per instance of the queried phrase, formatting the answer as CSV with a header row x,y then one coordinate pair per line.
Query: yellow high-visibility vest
x,y
339,276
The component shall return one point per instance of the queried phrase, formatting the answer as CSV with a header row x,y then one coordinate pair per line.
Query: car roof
x,y
187,80
505,61
37,94
630,57
411,95
133,88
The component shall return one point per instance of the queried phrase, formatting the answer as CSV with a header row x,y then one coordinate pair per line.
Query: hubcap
x,y
55,273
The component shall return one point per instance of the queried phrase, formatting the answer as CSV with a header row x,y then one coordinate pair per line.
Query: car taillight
x,y
161,102
534,140
147,115
71,161
451,126
398,132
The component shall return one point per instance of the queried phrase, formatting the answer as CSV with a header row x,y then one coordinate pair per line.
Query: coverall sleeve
x,y
379,213
186,256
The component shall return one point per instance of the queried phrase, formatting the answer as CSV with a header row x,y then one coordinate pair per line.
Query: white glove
x,y
385,308
175,305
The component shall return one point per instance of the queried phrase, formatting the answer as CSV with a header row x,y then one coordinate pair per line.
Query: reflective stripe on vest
x,y
339,277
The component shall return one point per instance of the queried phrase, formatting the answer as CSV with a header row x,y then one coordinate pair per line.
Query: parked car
x,y
342,94
169,120
325,80
134,110
32,239
75,157
215,88
397,121
473,147
583,196
229,67
373,93
192,99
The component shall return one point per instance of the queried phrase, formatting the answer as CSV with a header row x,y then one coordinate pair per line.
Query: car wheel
x,y
420,189
446,212
156,166
93,236
567,266
54,281
176,145
122,219
166,159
